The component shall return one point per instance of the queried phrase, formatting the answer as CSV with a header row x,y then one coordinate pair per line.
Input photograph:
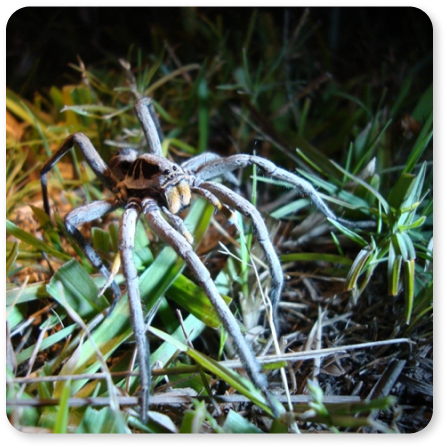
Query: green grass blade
x,y
236,424
12,257
193,420
27,238
240,384
409,287
357,267
191,297
395,276
419,147
289,209
376,194
79,290
336,259
349,233
49,341
60,425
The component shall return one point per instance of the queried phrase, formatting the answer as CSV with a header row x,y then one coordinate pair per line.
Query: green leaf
x,y
349,233
409,245
424,106
60,426
395,276
288,209
357,267
24,355
192,297
79,289
11,258
400,245
193,381
101,240
241,384
16,105
27,238
193,420
279,426
425,137
236,424
400,190
91,110
394,264
47,226
336,259
409,287
34,291
167,142
102,421
376,194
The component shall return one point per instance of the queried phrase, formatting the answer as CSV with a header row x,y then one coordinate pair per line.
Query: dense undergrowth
x,y
363,297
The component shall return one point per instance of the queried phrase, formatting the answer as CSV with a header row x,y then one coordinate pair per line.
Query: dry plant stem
x,y
311,354
32,318
317,360
160,400
270,317
33,356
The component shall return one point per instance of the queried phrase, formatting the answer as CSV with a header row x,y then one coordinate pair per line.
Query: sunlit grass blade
x,y
27,238
90,110
79,289
288,209
191,297
16,105
60,425
12,257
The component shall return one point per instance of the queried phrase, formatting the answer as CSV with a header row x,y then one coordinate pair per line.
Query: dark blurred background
x,y
42,41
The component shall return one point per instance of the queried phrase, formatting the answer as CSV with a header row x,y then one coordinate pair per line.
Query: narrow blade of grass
x,y
240,384
27,238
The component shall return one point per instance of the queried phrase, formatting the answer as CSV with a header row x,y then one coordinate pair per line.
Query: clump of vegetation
x,y
356,312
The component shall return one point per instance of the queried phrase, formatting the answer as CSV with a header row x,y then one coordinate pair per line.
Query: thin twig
x,y
168,399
